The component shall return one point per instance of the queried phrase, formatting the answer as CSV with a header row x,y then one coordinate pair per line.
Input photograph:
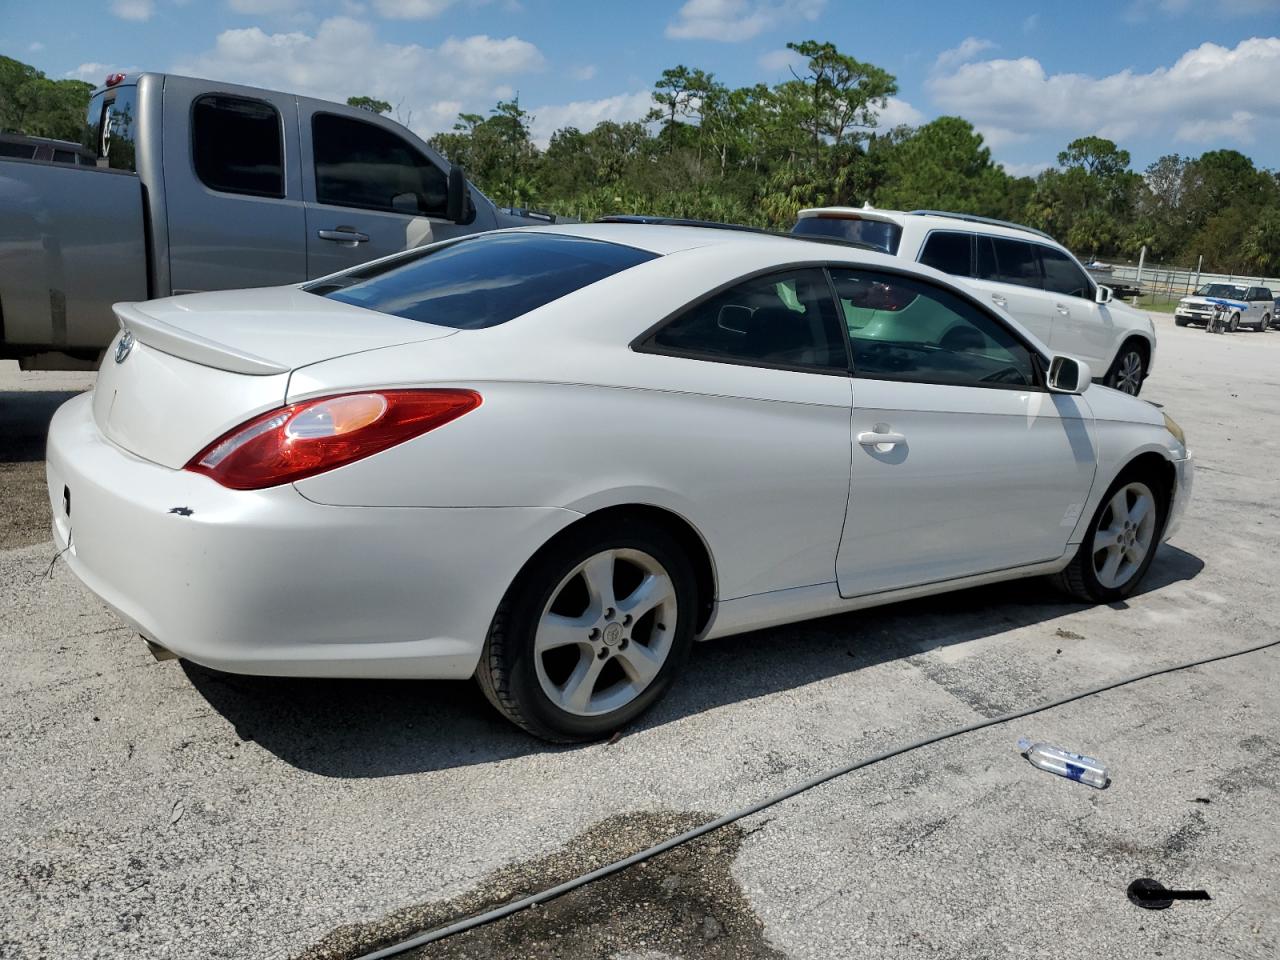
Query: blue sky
x,y
1158,76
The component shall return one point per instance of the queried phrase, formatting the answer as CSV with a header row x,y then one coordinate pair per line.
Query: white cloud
x,y
1012,98
1238,127
733,20
133,9
430,85
35,46
587,72
896,113
97,73
780,60
263,7
969,48
585,114
411,9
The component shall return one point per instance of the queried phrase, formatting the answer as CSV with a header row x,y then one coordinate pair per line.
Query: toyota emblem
x,y
124,347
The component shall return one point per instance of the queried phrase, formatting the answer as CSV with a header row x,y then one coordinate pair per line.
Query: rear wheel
x,y
1264,323
1128,369
1119,544
593,632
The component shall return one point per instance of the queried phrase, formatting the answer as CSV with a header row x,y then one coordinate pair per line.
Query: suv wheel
x,y
1128,370
1235,323
1264,323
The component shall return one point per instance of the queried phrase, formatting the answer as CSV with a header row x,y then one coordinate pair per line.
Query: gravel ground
x,y
163,810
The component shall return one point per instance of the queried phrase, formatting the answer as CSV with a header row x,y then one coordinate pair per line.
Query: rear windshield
x,y
875,233
481,281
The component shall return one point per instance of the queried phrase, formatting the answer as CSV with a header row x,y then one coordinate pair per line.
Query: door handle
x,y
999,300
872,439
1063,309
343,235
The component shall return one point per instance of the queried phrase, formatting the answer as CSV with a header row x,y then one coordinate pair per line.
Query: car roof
x,y
939,219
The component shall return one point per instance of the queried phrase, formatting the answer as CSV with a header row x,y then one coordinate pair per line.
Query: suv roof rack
x,y
739,227
974,218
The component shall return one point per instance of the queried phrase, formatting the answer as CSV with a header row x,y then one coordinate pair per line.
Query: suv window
x,y
1004,260
236,145
1264,294
360,164
948,252
482,280
1061,275
906,329
783,319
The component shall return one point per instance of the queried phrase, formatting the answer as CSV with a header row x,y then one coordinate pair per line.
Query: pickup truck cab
x,y
1251,306
200,185
1020,270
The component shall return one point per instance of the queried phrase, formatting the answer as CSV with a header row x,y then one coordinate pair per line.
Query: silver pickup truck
x,y
201,185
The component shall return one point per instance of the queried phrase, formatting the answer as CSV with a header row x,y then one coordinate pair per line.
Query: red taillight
x,y
114,78
307,438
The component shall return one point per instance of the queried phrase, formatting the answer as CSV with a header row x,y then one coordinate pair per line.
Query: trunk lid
x,y
198,365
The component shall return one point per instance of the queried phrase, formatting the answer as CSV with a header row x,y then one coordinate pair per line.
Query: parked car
x,y
200,185
45,150
552,457
1020,270
1249,305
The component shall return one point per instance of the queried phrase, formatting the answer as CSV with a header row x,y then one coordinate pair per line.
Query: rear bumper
x,y
268,582
1183,481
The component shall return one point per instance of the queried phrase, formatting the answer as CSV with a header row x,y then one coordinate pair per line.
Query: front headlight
x,y
1172,426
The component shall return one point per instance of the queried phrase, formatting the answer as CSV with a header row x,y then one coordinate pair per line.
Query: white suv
x,y
1023,271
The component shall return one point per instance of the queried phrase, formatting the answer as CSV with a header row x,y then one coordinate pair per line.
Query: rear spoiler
x,y
190,346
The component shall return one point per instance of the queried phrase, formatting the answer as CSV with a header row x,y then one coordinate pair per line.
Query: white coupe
x,y
551,458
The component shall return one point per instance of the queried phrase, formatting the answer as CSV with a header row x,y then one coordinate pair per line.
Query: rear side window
x,y
360,164
23,151
784,319
481,281
1007,261
1061,275
236,145
111,128
875,233
948,252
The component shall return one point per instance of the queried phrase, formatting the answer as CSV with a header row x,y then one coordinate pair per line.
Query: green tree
x,y
836,94
32,104
943,165
369,103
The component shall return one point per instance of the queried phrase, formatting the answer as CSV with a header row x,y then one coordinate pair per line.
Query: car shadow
x,y
382,728
24,422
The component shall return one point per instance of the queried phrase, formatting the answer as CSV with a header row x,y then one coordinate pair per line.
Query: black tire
x,y
1180,321
1264,323
1234,325
507,672
1131,356
1078,578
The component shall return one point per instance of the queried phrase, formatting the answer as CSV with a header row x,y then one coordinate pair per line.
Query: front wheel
x,y
593,632
1119,544
1128,370
1235,323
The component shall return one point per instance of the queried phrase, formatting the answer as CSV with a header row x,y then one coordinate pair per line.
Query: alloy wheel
x,y
1125,535
1128,376
606,632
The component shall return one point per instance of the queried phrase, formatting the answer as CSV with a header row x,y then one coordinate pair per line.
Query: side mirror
x,y
459,207
1069,375
1103,294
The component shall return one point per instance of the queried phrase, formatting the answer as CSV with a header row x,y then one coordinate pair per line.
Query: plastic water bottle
x,y
1073,766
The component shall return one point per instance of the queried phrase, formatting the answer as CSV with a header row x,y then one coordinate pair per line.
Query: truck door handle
x,y
872,439
999,300
343,235
1063,309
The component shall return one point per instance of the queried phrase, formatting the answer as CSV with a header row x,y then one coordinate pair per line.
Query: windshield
x,y
1228,291
481,281
874,233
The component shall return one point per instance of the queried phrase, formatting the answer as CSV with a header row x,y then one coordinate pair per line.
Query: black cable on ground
x,y
551,893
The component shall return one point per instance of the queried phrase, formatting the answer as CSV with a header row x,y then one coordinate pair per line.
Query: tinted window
x,y
905,329
483,280
24,151
1226,291
875,233
236,145
948,252
110,130
1265,294
1061,275
360,164
1007,261
785,319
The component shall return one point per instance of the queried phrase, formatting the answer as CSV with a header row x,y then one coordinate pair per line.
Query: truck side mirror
x,y
1103,295
459,207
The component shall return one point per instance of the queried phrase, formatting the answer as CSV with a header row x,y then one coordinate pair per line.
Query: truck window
x,y
360,164
236,145
111,128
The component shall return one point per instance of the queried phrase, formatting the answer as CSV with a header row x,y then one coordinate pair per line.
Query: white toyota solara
x,y
553,457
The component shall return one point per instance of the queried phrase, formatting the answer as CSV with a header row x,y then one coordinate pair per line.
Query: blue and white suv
x,y
1250,306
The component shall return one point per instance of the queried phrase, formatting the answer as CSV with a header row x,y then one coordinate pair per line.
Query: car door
x,y
369,191
232,191
962,462
1007,273
1083,328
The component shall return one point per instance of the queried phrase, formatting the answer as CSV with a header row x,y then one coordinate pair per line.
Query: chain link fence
x,y
1161,285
